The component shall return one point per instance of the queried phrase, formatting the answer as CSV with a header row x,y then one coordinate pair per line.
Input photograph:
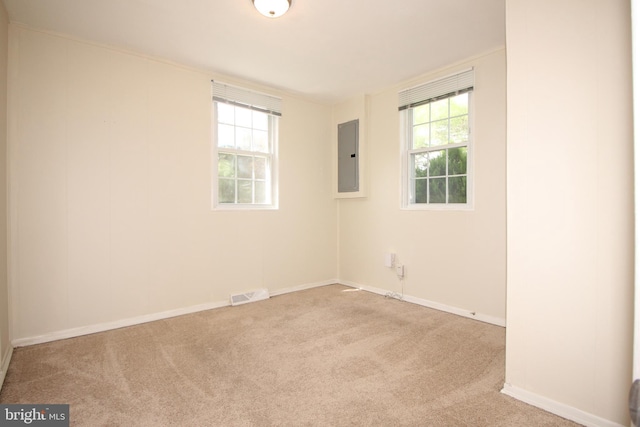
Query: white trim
x,y
102,327
132,321
303,287
557,408
432,304
4,366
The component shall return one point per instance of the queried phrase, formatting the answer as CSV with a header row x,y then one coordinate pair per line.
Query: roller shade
x,y
246,98
437,89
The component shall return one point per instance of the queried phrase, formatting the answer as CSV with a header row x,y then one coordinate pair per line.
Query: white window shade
x,y
441,88
245,98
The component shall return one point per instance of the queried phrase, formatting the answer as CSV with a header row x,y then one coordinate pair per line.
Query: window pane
x,y
440,109
225,113
226,165
243,117
245,167
439,132
261,192
436,173
420,191
437,190
459,129
244,192
260,120
245,145
458,189
437,163
226,190
260,167
421,114
243,138
460,105
225,136
261,141
420,165
457,161
421,136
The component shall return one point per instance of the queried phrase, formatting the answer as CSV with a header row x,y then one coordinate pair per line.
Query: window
x,y
245,148
436,136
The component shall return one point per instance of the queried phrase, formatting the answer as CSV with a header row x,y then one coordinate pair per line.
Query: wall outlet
x,y
400,270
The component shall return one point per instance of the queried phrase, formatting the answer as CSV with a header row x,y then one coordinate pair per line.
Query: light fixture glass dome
x,y
272,8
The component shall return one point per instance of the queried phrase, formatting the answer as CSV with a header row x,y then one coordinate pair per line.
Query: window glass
x,y
437,151
245,156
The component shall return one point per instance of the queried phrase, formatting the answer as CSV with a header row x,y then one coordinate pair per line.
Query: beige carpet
x,y
329,356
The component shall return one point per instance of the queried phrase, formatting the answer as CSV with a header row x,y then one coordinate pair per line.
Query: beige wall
x,y
110,192
570,204
110,214
453,258
5,345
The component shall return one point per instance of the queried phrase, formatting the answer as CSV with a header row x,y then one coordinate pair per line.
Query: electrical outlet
x,y
400,270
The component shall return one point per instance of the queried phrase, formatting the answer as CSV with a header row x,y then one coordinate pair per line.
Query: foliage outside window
x,y
245,156
436,121
438,152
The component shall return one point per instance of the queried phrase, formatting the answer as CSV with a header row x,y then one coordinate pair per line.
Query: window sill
x,y
244,207
438,207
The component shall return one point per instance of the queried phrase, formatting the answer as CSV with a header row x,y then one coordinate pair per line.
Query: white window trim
x,y
273,142
406,138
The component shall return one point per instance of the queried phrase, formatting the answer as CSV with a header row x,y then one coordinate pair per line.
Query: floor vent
x,y
252,296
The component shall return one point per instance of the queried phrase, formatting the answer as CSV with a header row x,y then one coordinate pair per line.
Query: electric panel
x,y
348,180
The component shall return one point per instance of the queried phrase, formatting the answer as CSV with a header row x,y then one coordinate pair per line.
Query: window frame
x,y
407,150
272,155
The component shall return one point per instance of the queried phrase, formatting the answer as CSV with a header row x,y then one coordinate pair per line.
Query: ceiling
x,y
327,50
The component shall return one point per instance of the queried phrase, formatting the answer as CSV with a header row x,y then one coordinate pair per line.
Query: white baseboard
x,y
4,364
101,327
303,287
431,304
557,408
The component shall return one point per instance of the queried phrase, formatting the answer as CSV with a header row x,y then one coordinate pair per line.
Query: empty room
x,y
303,212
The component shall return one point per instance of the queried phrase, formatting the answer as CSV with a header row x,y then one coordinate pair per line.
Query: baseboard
x,y
303,287
102,327
432,304
557,408
4,366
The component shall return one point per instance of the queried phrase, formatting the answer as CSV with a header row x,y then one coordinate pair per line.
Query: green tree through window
x,y
438,151
245,155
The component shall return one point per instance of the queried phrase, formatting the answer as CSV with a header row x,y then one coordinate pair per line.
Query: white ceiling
x,y
329,50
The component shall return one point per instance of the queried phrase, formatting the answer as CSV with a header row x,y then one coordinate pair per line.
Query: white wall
x,y
110,191
570,206
453,258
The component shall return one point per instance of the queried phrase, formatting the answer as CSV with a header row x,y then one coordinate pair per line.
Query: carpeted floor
x,y
329,356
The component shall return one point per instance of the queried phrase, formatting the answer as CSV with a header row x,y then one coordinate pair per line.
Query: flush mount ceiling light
x,y
272,8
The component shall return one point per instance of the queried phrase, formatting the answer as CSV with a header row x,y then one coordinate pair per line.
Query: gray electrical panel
x,y
348,181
